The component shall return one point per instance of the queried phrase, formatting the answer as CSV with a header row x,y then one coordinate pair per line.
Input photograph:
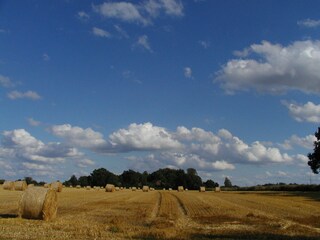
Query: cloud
x,y
124,11
308,112
187,72
85,138
141,13
143,137
5,81
276,69
33,122
143,41
45,57
204,44
14,95
84,163
309,23
183,148
100,32
83,15
22,153
121,31
305,142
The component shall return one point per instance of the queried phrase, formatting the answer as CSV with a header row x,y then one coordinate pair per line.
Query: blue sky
x,y
230,88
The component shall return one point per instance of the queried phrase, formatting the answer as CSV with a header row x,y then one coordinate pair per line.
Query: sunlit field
x,y
96,214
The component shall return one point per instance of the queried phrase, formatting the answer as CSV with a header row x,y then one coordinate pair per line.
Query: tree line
x,y
162,178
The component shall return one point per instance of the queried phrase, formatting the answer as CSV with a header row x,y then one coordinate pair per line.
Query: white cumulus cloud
x,y
100,32
276,68
187,72
143,41
309,23
308,112
32,95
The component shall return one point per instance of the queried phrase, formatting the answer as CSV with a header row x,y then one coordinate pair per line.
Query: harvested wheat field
x,y
167,215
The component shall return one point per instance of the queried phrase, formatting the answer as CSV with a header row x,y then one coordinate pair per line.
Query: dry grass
x,y
167,215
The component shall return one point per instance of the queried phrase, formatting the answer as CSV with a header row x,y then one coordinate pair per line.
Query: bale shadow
x,y
250,237
9,215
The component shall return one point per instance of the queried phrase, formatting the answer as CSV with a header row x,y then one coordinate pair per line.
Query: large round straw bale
x,y
110,188
145,188
46,185
30,185
8,185
217,189
180,188
134,189
38,203
202,189
88,187
170,189
57,186
20,185
117,188
78,186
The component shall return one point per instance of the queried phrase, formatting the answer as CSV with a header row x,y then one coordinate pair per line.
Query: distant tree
x,y
210,184
131,178
193,181
227,182
314,158
73,180
101,176
83,181
2,181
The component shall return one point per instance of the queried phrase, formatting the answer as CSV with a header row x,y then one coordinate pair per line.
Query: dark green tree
x,y
83,181
193,181
131,178
100,177
227,182
210,184
314,158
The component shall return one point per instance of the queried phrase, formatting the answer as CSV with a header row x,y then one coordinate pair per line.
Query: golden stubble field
x,y
96,214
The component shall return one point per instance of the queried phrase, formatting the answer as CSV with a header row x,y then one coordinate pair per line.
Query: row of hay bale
x,y
56,186
15,185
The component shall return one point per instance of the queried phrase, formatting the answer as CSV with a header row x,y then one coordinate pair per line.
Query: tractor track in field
x,y
181,205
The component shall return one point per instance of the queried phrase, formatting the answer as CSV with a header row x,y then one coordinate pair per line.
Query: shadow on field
x,y
314,196
250,237
8,215
230,237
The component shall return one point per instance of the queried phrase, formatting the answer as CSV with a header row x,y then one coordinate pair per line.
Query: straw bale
x,y
8,185
30,185
180,188
202,189
117,188
38,203
78,186
57,186
217,189
88,187
110,188
46,185
20,185
145,189
134,189
170,189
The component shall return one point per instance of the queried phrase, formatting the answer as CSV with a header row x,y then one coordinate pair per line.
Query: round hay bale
x,y
110,188
145,189
8,185
217,189
57,186
38,203
46,185
88,187
78,186
30,185
20,185
134,189
180,189
202,189
117,188
170,189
